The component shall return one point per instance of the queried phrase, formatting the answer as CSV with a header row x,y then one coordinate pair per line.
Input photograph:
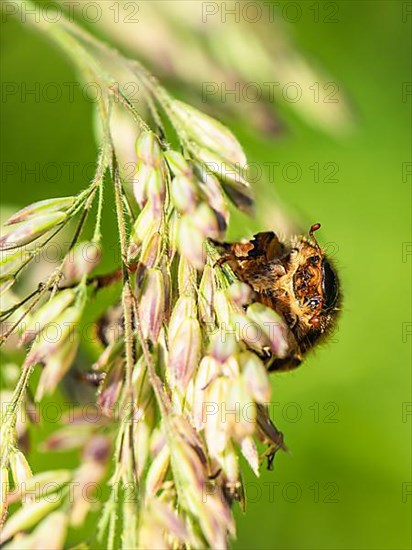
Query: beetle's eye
x,y
314,302
329,284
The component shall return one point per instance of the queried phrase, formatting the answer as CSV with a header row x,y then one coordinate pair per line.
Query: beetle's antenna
x,y
314,228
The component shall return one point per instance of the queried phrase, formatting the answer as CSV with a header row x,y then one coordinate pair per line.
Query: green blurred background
x,y
344,484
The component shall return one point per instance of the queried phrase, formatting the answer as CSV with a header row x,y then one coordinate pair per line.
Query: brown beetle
x,y
294,278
